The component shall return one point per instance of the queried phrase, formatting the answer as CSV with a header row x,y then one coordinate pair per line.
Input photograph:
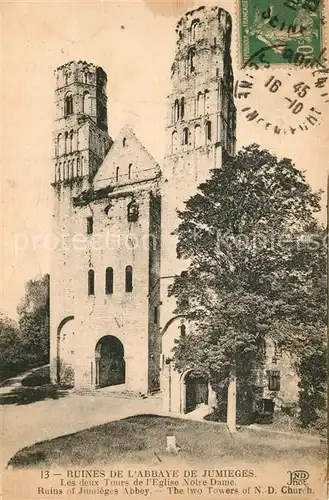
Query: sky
x,y
134,42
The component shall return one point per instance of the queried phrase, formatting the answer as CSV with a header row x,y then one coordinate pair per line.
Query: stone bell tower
x,y
201,121
80,142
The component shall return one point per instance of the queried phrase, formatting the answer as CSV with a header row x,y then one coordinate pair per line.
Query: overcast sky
x,y
134,42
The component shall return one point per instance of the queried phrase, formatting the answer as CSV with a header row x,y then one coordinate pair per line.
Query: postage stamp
x,y
287,31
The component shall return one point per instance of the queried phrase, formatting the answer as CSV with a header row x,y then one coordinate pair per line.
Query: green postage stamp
x,y
281,32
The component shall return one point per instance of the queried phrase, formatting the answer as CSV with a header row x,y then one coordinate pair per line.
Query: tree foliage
x,y
26,343
256,259
33,319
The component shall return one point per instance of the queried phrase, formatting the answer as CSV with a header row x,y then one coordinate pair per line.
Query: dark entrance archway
x,y
196,391
110,363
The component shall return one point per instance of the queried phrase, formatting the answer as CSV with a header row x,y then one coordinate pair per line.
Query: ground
x,y
142,439
62,427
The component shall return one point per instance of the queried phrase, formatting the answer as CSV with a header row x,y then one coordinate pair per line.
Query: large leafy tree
x,y
33,319
255,267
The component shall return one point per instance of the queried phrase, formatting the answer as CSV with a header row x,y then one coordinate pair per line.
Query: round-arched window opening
x,y
132,211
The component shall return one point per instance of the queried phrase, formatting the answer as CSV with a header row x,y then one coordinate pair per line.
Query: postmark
x,y
286,30
302,102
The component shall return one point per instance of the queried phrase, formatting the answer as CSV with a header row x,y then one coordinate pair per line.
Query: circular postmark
x,y
284,103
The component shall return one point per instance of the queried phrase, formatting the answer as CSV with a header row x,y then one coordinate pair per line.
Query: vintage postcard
x,y
164,274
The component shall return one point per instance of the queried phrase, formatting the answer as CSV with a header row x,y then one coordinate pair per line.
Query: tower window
x,y
78,167
194,30
117,172
185,136
90,225
130,167
176,110
66,142
60,144
191,62
86,103
109,280
182,107
199,99
91,282
197,136
174,142
208,131
206,97
182,330
132,212
273,380
124,140
85,77
71,141
68,104
129,279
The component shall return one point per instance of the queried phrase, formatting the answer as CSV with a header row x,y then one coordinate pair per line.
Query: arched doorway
x,y
110,363
64,353
195,391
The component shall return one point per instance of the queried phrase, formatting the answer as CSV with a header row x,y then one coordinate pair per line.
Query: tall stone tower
x,y
200,123
81,142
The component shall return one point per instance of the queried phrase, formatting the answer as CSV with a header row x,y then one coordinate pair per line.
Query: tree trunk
x,y
231,402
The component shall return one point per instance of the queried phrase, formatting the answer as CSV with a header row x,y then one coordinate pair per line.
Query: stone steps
x,y
116,394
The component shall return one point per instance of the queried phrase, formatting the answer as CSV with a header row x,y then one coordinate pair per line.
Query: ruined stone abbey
x,y
112,323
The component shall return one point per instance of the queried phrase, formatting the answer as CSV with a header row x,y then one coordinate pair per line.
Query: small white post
x,y
231,403
171,444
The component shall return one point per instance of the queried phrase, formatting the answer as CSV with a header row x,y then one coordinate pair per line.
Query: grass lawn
x,y
142,439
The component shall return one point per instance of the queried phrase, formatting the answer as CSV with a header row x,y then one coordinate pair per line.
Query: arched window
x,y
109,280
182,107
78,167
197,136
185,136
206,97
68,170
64,171
199,106
66,142
176,110
117,173
60,144
174,141
85,76
182,329
132,211
194,30
191,62
72,169
130,169
129,279
91,282
58,175
208,131
68,104
66,76
86,103
71,141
